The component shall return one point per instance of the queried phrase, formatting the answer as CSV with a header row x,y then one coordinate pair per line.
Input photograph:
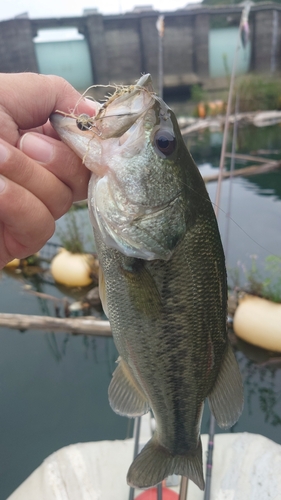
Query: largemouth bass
x,y
163,279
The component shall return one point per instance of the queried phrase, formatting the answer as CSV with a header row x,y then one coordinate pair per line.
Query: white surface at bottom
x,y
246,467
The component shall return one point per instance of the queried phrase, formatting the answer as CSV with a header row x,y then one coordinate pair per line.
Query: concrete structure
x,y
124,46
16,46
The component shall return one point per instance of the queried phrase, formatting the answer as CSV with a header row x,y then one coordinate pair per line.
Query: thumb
x,y
59,159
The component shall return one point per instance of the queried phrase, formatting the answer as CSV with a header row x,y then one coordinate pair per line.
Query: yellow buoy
x,y
13,263
74,269
258,321
201,110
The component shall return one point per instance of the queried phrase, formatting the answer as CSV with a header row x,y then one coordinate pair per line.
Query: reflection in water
x,y
52,345
262,383
261,372
250,140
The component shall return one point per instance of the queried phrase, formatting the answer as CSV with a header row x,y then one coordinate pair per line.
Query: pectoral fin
x,y
226,398
141,287
125,394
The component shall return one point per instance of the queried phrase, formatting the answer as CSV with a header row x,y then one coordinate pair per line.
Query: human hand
x,y
40,177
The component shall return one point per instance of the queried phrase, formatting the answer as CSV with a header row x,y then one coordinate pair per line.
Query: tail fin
x,y
155,463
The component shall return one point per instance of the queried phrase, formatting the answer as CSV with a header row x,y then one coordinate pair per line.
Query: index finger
x,y
28,99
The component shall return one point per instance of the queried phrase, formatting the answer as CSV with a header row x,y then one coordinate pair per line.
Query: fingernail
x,y
2,181
3,153
36,147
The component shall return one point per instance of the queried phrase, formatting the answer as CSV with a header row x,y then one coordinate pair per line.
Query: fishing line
x,y
233,220
249,236
232,166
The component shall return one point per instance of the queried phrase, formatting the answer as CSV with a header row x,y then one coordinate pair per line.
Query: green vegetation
x,y
271,288
198,94
71,238
220,2
267,285
258,92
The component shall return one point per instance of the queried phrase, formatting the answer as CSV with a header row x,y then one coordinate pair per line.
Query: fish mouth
x,y
84,134
117,115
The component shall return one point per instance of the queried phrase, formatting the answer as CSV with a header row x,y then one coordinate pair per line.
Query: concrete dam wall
x,y
121,47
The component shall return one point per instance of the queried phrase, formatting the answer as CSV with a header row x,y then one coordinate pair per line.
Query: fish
x,y
162,280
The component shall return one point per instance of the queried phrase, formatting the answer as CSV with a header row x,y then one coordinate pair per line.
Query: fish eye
x,y
84,122
165,142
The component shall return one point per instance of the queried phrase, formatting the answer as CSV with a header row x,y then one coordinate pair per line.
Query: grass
x,y
258,92
266,284
71,238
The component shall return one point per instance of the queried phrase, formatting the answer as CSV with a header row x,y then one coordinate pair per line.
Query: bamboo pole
x,y
183,488
86,325
137,428
259,159
209,467
160,25
244,19
244,172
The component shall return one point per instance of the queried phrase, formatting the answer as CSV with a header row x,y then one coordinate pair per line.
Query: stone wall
x,y
267,41
17,52
124,46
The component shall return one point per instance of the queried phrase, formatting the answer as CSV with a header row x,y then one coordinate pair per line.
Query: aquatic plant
x,y
266,284
272,284
198,94
71,237
258,92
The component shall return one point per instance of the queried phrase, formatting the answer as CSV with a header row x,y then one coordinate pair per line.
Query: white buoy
x,y
258,321
73,269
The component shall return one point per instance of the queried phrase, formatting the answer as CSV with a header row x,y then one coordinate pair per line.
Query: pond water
x,y
53,387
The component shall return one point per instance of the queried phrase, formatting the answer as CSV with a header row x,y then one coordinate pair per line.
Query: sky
x,y
63,8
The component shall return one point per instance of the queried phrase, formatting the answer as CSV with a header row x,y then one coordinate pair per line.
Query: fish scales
x,y
190,374
163,279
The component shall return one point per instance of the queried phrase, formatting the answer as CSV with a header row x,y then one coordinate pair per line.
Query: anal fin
x,y
126,397
226,398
